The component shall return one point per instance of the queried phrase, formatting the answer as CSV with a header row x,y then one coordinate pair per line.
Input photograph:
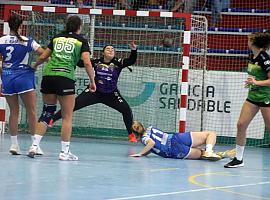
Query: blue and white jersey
x,y
16,53
162,141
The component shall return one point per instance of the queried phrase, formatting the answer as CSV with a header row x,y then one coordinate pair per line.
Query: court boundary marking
x,y
192,180
206,187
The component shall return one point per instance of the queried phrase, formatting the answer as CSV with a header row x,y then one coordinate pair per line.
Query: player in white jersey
x,y
178,145
18,78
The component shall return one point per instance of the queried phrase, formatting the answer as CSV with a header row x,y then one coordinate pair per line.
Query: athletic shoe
x,y
39,151
234,163
227,154
210,156
67,156
15,149
32,151
132,137
51,123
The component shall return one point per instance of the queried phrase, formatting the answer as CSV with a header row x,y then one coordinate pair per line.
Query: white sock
x,y
65,146
32,138
36,139
239,152
209,148
14,139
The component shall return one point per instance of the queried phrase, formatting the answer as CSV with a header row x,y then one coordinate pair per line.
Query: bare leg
x,y
41,128
208,138
13,104
67,104
204,137
266,116
29,100
13,123
195,153
248,112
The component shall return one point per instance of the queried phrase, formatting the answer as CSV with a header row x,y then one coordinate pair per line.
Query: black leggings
x,y
113,100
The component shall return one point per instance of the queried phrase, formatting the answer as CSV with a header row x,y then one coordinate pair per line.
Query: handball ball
x,y
167,42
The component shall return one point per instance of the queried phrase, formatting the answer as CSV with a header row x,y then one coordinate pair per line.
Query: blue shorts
x,y
18,83
180,145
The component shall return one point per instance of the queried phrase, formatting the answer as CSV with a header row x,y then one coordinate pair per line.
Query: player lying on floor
x,y
178,145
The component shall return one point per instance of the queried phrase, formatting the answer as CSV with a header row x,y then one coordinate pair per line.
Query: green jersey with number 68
x,y
66,52
259,68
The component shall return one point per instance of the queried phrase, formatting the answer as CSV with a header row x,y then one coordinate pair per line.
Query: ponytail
x,y
14,23
73,24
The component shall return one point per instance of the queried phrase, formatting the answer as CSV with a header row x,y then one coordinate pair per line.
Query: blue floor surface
x,y
104,171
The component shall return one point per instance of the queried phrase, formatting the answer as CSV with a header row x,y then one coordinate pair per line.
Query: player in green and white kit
x,y
258,83
58,82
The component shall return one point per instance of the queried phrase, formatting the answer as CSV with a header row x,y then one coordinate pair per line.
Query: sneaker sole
x,y
13,152
67,159
211,158
31,155
234,166
222,155
226,154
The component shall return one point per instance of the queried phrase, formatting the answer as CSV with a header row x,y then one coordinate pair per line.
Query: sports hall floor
x,y
104,171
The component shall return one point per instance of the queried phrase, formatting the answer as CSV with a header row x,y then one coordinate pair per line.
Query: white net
x,y
153,88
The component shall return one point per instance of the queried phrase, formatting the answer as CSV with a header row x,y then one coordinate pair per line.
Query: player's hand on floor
x,y
135,155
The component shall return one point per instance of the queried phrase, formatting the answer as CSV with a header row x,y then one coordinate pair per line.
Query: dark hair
x,y
260,40
73,24
107,45
14,23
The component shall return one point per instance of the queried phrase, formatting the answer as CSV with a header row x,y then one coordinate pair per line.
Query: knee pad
x,y
47,114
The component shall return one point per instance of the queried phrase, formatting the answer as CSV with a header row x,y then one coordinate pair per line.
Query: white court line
x,y
189,191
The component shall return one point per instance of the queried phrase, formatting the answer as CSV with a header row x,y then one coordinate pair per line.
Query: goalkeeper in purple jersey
x,y
179,145
107,71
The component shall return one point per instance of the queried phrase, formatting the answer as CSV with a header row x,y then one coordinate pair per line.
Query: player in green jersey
x,y
58,82
258,84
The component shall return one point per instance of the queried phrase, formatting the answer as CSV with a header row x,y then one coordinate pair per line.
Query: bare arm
x,y
146,150
252,80
40,50
43,57
89,70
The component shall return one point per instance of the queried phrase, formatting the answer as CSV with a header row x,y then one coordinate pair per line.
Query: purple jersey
x,y
107,74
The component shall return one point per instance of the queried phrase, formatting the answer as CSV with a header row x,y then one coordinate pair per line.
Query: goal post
x,y
213,95
148,29
170,85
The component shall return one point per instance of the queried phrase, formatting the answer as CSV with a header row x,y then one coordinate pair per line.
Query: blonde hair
x,y
137,128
